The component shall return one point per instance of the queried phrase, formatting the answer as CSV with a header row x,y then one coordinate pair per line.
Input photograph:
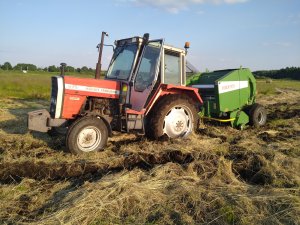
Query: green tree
x,y
6,66
53,69
70,69
289,72
84,69
25,66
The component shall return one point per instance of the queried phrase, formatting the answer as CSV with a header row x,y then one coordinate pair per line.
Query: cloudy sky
x,y
258,34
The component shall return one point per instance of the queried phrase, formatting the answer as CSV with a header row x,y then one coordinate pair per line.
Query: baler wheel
x,y
257,115
86,135
174,116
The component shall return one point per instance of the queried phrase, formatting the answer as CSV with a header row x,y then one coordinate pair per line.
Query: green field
x,y
37,85
268,86
32,85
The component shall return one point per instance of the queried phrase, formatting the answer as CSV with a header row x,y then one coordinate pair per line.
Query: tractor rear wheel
x,y
257,115
86,135
174,116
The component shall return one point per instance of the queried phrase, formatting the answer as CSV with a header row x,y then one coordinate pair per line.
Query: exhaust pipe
x,y
62,69
100,48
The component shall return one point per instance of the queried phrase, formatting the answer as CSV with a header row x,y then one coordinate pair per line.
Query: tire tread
x,y
156,116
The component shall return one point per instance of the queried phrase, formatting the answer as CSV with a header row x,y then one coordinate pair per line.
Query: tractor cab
x,y
141,64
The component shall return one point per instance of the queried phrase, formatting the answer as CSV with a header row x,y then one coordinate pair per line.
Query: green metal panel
x,y
241,119
193,79
226,91
235,90
210,78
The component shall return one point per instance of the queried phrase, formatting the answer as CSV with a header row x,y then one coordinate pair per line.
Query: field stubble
x,y
217,176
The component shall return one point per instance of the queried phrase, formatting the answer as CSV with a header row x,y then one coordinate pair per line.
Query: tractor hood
x,y
91,87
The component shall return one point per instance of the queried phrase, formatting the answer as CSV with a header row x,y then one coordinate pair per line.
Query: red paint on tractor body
x,y
175,89
72,105
92,87
166,89
76,91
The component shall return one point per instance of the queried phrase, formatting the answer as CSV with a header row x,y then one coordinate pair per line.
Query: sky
x,y
223,34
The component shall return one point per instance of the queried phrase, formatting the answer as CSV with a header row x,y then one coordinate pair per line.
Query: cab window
x,y
172,68
148,66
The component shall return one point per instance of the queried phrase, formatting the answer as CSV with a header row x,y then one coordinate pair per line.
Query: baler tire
x,y
257,115
87,134
156,119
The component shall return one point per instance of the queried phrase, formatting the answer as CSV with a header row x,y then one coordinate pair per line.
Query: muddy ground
x,y
219,175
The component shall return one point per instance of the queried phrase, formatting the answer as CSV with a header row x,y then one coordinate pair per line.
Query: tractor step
x,y
135,122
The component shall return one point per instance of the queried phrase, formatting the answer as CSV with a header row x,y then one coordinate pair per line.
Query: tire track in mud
x,y
283,111
14,171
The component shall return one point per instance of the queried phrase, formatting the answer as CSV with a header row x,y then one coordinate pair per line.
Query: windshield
x,y
122,62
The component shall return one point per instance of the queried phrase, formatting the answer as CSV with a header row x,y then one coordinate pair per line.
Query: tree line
x,y
287,73
52,68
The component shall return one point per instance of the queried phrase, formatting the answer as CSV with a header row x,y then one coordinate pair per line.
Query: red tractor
x,y
143,91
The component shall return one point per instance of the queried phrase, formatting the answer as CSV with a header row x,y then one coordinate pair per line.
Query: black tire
x,y
86,134
57,131
257,115
161,122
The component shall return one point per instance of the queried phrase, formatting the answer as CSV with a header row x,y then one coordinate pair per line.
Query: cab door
x,y
146,75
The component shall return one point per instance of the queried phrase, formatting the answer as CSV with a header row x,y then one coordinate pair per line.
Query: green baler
x,y
229,96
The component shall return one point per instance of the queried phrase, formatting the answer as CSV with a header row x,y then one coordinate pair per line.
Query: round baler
x,y
229,96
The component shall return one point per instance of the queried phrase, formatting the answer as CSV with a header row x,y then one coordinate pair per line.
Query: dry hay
x,y
217,176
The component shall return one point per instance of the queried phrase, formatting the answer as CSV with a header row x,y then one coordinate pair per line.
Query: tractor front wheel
x,y
57,131
86,135
174,116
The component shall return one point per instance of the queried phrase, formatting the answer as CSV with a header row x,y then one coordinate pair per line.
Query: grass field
x,y
37,84
219,175
269,86
32,85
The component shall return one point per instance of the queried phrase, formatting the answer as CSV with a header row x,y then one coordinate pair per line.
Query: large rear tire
x,y
86,135
174,116
257,115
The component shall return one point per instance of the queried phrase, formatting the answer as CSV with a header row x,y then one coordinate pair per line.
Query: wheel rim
x,y
89,139
178,122
260,117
